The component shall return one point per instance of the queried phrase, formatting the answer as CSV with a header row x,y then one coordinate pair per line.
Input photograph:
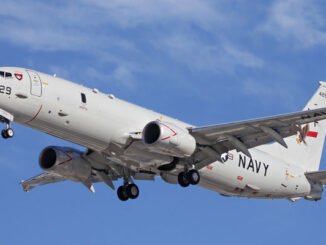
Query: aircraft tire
x,y
10,132
132,191
182,180
193,176
122,193
4,134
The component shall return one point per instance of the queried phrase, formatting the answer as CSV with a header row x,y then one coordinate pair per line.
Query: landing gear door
x,y
36,83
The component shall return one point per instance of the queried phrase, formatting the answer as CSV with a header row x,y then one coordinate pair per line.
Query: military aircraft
x,y
273,157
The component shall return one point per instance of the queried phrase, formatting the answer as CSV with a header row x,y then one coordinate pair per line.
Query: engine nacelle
x,y
66,162
169,178
168,139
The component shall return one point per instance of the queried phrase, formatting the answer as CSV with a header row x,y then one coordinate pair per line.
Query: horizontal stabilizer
x,y
317,177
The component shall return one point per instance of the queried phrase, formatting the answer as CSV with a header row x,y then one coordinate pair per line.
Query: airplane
x,y
277,157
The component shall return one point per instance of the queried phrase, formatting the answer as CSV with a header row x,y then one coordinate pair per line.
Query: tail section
x,y
305,148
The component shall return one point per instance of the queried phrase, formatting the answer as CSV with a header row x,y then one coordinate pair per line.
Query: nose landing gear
x,y
6,118
7,133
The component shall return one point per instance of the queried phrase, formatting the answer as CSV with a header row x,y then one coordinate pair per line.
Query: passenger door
x,y
36,83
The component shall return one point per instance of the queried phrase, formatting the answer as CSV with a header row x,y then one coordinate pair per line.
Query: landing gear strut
x,y
190,177
128,191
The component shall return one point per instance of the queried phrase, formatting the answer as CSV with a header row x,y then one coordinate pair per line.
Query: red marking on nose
x,y
19,76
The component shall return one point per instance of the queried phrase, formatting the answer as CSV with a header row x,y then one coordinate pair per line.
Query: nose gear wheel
x,y
7,132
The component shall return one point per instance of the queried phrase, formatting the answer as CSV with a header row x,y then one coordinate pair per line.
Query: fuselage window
x,y
2,74
83,98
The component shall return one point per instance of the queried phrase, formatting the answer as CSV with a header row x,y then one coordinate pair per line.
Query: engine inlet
x,y
48,158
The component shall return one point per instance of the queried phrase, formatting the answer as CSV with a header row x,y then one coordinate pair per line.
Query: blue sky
x,y
201,61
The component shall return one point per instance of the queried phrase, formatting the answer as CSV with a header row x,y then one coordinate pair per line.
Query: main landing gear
x,y
128,191
191,177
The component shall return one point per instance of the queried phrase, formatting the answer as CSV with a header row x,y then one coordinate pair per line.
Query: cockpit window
x,y
5,74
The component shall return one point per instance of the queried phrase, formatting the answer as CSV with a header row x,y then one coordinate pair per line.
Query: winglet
x,y
25,186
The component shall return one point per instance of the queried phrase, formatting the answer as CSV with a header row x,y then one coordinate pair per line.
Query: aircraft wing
x,y
42,179
244,135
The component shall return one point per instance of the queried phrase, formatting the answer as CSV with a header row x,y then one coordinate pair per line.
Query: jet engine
x,y
168,139
66,162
